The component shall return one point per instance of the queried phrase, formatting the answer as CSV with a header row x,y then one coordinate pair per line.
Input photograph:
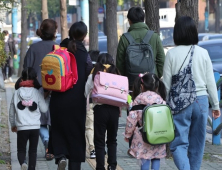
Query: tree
x,y
187,8
93,25
45,14
215,6
63,19
152,14
23,36
111,25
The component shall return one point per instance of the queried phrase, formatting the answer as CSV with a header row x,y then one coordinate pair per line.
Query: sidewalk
x,y
212,158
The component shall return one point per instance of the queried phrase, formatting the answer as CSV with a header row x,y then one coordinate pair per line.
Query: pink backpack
x,y
110,89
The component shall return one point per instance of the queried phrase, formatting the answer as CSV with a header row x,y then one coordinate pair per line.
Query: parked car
x,y
202,35
102,43
212,37
214,48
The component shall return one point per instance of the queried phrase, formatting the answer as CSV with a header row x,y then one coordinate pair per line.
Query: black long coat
x,y
68,114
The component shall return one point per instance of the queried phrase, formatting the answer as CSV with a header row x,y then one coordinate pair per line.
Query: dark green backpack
x,y
139,57
158,127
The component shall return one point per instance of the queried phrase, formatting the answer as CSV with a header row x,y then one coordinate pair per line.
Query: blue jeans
x,y
44,133
146,164
188,145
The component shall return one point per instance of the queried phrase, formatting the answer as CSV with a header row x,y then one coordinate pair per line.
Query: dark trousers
x,y
106,118
8,66
22,138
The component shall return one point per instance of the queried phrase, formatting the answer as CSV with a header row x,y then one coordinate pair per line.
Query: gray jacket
x,y
33,58
26,119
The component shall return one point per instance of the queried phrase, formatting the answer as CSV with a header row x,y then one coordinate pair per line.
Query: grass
x,y
206,156
2,162
2,126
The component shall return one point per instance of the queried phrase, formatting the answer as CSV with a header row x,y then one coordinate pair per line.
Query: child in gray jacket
x,y
24,115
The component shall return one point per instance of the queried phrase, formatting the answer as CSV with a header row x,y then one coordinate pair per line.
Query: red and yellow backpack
x,y
59,70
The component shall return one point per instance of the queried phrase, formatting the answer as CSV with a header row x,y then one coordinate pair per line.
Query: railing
x,y
216,125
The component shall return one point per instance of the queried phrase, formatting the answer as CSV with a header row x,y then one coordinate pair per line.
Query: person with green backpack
x,y
147,90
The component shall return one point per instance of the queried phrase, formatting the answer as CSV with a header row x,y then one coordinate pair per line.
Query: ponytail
x,y
72,46
136,87
113,69
162,90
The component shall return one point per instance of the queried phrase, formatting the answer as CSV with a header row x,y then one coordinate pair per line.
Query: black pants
x,y
106,118
9,67
22,138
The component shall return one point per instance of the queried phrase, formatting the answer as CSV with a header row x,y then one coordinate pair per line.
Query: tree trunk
x,y
217,17
152,14
63,19
23,36
93,25
45,14
187,8
111,25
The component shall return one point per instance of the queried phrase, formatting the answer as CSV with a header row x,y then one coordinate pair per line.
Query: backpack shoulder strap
x,y
148,35
129,37
138,107
56,47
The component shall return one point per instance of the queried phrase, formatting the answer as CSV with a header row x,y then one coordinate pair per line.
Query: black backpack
x,y
139,57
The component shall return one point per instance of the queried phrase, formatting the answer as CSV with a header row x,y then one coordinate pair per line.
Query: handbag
x,y
183,89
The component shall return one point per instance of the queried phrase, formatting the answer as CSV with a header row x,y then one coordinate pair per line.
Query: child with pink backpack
x,y
106,116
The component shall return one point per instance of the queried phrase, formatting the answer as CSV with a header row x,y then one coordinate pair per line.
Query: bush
x,y
3,56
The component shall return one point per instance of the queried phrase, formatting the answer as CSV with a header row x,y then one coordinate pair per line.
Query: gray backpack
x,y
139,57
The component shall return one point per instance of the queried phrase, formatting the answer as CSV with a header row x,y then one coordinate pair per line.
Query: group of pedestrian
x,y
71,113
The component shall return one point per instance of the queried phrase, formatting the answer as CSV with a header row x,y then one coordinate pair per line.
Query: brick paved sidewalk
x,y
212,158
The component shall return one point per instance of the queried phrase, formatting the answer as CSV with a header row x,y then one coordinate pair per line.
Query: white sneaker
x,y
10,79
24,166
92,154
6,81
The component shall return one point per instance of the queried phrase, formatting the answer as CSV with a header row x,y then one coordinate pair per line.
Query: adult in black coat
x,y
68,109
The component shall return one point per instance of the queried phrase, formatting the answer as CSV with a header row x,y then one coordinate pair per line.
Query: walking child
x,y
106,118
24,116
147,89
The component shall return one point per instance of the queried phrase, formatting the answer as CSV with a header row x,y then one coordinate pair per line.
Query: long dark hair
x,y
150,82
77,32
28,73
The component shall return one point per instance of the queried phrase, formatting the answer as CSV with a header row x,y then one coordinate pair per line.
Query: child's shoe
x,y
24,166
92,154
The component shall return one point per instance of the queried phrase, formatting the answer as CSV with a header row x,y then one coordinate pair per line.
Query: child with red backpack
x,y
106,118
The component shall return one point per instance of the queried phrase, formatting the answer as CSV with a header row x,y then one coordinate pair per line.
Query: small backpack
x,y
110,89
139,57
157,124
59,70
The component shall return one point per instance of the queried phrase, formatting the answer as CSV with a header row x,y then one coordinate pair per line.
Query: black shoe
x,y
92,154
62,164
